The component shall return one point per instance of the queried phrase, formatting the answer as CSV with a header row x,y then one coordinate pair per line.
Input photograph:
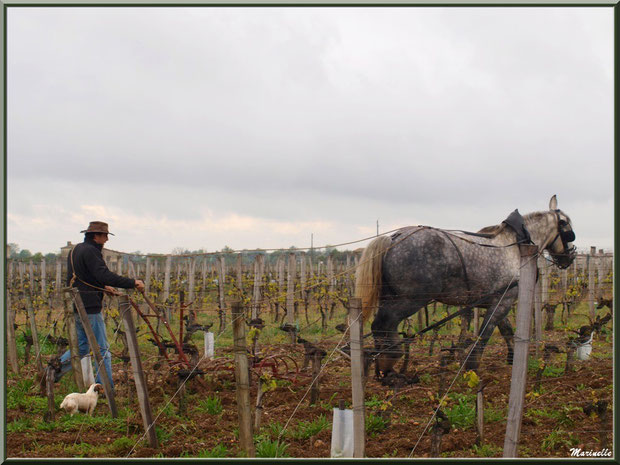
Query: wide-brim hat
x,y
97,227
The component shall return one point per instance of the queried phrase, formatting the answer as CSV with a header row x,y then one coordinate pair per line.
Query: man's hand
x,y
111,291
140,285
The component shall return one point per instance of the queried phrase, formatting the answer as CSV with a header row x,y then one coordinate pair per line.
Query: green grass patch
x,y
265,447
211,405
462,413
494,414
558,440
487,450
274,429
307,429
19,426
375,424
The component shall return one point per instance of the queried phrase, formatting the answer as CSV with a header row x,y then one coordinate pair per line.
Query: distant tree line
x,y
15,253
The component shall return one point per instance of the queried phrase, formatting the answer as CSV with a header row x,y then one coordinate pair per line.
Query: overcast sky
x,y
255,127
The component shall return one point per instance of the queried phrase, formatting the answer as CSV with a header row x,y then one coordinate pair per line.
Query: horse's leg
x,y
385,330
505,328
465,325
497,311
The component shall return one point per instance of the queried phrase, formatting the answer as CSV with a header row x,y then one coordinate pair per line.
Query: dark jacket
x,y
91,268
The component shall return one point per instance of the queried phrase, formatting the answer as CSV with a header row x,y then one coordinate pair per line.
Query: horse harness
x,y
565,233
515,221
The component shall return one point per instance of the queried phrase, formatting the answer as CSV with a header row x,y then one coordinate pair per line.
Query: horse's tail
x,y
368,275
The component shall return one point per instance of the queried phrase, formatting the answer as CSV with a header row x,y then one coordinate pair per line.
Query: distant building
x,y
111,257
64,251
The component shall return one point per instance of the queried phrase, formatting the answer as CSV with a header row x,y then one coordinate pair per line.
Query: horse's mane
x,y
493,231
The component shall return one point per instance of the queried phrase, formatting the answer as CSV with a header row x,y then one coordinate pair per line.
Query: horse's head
x,y
388,350
561,247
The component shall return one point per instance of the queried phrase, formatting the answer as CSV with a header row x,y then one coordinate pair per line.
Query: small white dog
x,y
83,402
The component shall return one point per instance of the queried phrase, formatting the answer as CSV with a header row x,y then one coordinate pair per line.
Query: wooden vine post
x,y
138,371
290,295
280,273
538,305
33,330
49,388
357,378
527,284
239,270
191,279
58,281
256,290
221,268
591,284
303,283
544,298
149,272
43,278
480,413
242,378
94,346
76,363
167,271
10,336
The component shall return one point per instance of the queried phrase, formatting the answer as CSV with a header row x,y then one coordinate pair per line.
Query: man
x,y
88,272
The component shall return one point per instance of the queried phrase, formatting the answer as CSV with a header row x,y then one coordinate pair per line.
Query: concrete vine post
x,y
527,284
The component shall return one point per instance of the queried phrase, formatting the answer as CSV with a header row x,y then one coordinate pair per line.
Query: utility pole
x,y
377,227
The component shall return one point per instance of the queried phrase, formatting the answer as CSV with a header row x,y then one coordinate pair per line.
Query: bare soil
x,y
554,419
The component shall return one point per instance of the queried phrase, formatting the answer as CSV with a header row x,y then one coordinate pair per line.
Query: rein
x,y
565,236
75,276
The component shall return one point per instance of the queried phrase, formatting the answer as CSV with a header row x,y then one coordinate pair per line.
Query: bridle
x,y
566,235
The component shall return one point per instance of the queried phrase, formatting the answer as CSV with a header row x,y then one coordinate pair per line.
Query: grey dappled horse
x,y
400,274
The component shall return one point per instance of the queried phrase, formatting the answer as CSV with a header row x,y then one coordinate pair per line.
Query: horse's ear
x,y
553,203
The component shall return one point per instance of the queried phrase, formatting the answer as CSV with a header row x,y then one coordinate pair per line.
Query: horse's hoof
x,y
394,379
471,366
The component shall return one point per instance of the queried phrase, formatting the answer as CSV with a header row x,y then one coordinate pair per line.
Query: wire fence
x,y
318,304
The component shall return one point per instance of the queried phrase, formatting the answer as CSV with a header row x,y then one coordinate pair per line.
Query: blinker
x,y
567,236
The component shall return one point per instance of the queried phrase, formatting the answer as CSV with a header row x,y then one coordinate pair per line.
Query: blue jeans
x,y
98,325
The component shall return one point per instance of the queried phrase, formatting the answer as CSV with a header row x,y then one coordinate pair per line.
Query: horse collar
x,y
517,223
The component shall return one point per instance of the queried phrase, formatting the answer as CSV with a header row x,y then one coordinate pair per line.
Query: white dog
x,y
83,402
